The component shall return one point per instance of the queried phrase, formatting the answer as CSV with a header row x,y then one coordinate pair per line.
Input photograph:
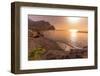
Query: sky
x,y
63,22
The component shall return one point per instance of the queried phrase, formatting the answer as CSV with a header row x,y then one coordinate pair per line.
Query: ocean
x,y
77,39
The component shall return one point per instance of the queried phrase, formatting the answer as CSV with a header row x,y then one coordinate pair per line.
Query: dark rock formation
x,y
43,42
39,25
78,53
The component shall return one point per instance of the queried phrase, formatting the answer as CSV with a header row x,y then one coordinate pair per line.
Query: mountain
x,y
40,25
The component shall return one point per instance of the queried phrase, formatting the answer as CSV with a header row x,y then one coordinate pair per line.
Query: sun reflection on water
x,y
73,35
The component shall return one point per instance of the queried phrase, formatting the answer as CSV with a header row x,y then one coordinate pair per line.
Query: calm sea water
x,y
76,39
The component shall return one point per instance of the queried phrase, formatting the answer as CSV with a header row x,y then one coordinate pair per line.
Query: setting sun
x,y
73,19
73,30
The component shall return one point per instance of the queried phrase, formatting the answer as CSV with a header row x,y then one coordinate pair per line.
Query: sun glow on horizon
x,y
73,19
73,30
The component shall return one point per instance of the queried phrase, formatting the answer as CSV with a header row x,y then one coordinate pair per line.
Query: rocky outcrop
x,y
42,42
36,39
39,25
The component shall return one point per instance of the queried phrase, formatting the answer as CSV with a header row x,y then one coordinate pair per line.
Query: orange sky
x,y
80,24
63,22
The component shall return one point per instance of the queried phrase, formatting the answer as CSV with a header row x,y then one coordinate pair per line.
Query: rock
x,y
39,25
